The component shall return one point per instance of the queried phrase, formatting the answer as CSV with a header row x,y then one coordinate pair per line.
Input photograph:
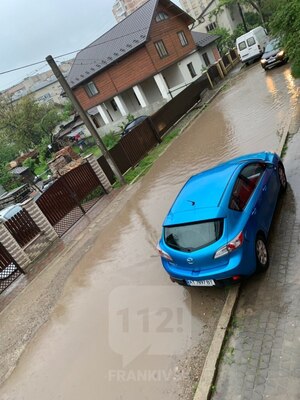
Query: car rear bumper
x,y
249,59
238,266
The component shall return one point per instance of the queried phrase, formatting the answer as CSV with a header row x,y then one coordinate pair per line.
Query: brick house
x,y
139,64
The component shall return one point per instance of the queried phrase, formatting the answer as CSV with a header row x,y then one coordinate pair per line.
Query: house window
x,y
96,122
182,38
160,47
161,16
192,70
114,105
91,89
211,27
206,59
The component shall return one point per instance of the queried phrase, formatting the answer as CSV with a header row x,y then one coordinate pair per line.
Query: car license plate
x,y
206,282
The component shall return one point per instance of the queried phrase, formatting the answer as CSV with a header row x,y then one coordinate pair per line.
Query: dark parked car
x,y
131,125
274,54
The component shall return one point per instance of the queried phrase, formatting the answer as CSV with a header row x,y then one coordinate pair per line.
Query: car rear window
x,y
242,45
193,236
251,41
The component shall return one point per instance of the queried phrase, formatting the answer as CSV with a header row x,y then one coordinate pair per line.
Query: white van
x,y
252,44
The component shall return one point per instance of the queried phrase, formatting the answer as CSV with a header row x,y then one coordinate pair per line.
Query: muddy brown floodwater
x,y
121,330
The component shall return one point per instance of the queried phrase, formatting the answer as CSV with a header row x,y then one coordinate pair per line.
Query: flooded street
x,y
121,329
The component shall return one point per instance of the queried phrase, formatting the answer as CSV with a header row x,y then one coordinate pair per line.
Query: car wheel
x,y
282,178
262,254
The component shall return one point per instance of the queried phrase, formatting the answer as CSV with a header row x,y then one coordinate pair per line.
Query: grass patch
x,y
87,150
146,163
284,149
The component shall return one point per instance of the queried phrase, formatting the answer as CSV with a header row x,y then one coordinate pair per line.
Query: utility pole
x,y
242,16
85,118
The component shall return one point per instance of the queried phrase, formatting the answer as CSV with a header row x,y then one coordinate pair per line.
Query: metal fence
x,y
226,61
135,145
131,148
172,111
233,54
22,227
9,269
70,197
214,74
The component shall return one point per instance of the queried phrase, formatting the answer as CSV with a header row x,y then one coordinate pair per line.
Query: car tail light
x,y
163,253
231,246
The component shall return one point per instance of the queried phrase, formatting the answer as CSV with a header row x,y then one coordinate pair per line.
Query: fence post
x,y
223,67
209,79
155,130
220,70
40,219
13,247
237,56
99,172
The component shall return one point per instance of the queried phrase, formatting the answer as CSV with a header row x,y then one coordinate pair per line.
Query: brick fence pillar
x,y
224,70
13,247
209,80
40,219
220,70
99,172
230,58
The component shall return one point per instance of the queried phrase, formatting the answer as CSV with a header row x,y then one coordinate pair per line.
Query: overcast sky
x,y
31,30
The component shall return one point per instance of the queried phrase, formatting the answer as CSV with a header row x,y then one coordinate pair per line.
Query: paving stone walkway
x,y
261,359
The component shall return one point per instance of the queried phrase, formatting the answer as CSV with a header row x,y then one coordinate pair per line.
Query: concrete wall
x,y
50,94
229,18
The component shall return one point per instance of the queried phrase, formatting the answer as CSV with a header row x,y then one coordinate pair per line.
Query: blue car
x,y
216,231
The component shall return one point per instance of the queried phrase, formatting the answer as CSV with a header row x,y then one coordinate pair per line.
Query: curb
x,y
211,362
209,372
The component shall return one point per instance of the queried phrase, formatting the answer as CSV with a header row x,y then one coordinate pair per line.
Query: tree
x,y
8,180
262,7
26,122
285,24
225,41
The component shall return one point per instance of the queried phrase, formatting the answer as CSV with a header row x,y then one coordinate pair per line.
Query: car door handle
x,y
254,211
265,188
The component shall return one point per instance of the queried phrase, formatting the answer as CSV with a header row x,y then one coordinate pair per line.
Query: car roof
x,y
201,196
6,210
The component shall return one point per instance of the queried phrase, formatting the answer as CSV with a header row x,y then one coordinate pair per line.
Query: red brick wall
x,y
142,63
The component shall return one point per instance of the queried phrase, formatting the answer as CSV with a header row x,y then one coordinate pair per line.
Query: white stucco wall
x,y
131,101
229,18
198,63
50,93
151,90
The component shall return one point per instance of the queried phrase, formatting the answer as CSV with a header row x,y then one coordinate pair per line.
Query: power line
x,y
89,46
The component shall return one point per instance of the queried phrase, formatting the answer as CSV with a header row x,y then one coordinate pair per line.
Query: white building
x,y
203,10
122,8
